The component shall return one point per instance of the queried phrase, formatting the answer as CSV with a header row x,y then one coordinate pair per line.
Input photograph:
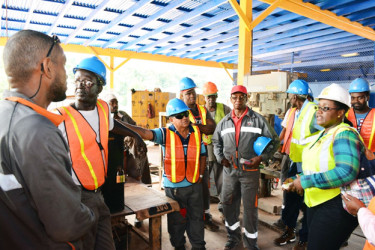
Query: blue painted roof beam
x,y
60,17
171,5
218,18
183,18
353,7
117,20
89,18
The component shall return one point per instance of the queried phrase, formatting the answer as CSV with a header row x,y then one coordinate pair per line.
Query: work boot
x,y
279,224
231,244
287,237
209,224
301,245
180,248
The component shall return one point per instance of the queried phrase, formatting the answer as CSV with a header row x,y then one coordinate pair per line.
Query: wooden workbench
x,y
146,203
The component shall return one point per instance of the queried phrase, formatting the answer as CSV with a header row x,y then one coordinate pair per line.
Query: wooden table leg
x,y
155,233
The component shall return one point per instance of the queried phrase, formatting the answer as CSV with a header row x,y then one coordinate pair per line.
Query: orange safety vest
x,y
371,207
203,115
54,118
288,132
176,166
368,127
86,153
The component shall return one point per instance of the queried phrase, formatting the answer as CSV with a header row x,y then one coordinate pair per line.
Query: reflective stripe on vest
x,y
219,114
371,207
301,132
177,164
203,115
318,158
288,132
368,127
88,159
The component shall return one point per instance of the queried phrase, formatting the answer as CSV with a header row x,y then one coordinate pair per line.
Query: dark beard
x,y
57,92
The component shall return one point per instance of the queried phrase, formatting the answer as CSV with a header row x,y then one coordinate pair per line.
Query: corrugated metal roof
x,y
197,29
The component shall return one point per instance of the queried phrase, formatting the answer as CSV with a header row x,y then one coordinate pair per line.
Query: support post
x,y
245,43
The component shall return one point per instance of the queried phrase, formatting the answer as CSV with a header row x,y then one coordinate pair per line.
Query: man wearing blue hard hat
x,y
184,157
236,147
299,126
361,115
86,125
200,117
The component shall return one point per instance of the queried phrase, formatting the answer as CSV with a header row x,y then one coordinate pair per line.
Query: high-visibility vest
x,y
318,158
302,133
288,131
218,116
371,207
86,153
203,115
54,118
177,164
368,127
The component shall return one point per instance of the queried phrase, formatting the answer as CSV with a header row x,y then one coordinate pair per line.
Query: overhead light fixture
x,y
325,70
350,54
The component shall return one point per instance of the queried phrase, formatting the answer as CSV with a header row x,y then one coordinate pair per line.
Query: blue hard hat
x,y
310,93
359,85
187,83
298,87
260,144
176,106
94,65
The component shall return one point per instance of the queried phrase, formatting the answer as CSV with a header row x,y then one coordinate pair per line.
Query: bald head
x,y
23,54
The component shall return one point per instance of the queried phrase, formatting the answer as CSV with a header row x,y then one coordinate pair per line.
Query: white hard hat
x,y
110,97
337,93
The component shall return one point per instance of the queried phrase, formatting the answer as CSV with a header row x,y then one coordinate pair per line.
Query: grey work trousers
x,y
100,236
189,218
239,184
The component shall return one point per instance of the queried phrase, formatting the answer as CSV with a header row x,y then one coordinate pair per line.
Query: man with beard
x,y
40,206
218,111
199,116
85,128
361,115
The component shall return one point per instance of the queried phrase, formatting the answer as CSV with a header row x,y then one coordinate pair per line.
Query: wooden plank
x,y
155,233
147,202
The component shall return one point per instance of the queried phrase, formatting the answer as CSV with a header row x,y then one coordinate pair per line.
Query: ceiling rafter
x,y
171,5
30,13
314,12
88,19
183,18
61,15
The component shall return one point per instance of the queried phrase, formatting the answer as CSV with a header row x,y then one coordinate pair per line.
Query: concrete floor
x,y
216,240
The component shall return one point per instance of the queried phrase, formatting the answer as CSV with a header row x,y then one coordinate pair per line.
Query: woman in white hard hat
x,y
330,161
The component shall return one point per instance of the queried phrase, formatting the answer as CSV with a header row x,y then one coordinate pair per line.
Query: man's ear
x,y
100,88
46,67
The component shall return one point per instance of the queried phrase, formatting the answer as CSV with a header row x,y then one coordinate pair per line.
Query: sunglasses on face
x,y
324,109
182,115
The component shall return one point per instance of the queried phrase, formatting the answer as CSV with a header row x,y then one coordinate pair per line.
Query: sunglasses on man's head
x,y
181,115
55,39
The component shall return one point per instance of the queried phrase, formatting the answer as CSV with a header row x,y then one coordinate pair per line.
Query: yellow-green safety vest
x,y
203,115
218,116
318,158
302,133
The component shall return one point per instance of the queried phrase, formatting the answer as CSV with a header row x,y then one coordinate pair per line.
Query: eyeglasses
x,y
240,98
325,109
55,39
87,83
182,115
